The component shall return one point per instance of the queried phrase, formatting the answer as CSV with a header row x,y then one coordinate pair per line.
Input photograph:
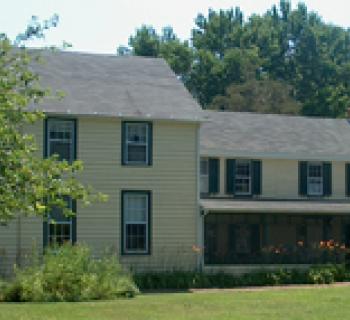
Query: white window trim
x,y
52,122
127,143
204,176
239,193
309,192
126,223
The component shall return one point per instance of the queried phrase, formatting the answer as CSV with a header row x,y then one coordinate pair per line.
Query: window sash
x,y
314,182
60,220
130,144
204,176
127,197
243,179
55,238
61,127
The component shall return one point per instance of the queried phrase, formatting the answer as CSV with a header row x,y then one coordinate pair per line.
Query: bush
x,y
186,280
69,273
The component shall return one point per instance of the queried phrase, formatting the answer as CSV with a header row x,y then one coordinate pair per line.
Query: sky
x,y
100,26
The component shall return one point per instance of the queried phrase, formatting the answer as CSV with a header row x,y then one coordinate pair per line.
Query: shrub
x,y
186,280
69,273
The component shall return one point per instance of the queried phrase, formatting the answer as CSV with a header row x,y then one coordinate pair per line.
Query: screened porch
x,y
233,238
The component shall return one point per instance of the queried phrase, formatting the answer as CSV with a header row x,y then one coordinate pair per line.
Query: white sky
x,y
101,25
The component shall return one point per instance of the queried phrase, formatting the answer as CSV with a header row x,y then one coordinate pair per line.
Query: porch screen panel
x,y
275,239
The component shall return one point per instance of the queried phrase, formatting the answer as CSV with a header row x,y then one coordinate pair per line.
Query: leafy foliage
x,y
69,273
29,184
187,280
262,96
309,57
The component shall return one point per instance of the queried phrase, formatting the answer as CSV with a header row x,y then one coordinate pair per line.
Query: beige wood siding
x,y
172,179
280,179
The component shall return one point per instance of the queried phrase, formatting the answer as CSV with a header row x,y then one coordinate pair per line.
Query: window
x,y
60,137
204,175
59,227
136,216
314,179
137,140
243,177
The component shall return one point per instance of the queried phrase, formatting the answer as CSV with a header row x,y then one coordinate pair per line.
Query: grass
x,y
311,304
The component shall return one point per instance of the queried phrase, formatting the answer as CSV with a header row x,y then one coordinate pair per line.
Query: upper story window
x,y
136,227
137,143
204,175
315,179
60,138
243,177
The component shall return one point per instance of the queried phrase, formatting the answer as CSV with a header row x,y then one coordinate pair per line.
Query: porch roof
x,y
275,206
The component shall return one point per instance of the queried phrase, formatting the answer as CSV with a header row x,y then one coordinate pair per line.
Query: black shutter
x,y
150,144
123,143
257,181
230,175
327,179
347,179
303,178
214,175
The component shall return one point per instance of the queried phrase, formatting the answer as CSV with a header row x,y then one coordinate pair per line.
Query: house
x,y
188,188
135,127
274,190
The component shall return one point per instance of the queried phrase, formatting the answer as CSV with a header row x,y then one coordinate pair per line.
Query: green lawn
x,y
317,303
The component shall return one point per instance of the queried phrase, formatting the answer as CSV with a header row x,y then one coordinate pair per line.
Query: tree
x,y
291,46
29,185
262,96
145,42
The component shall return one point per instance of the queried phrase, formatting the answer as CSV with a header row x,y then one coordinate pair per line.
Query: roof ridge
x,y
280,115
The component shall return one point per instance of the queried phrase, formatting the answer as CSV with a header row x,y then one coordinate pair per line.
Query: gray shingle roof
x,y
115,86
304,207
276,136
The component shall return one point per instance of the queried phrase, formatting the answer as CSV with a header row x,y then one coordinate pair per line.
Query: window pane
x,y
243,168
136,237
315,170
59,233
242,185
137,132
137,153
135,207
60,139
62,149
